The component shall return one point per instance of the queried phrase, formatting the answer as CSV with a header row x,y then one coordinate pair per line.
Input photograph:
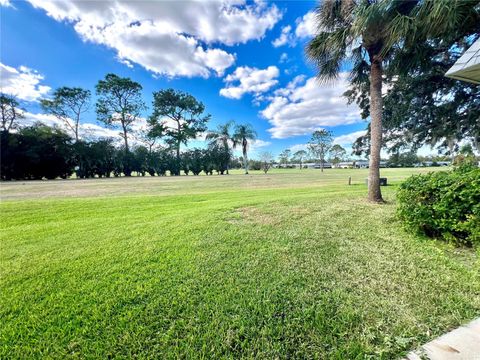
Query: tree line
x,y
40,151
319,149
177,117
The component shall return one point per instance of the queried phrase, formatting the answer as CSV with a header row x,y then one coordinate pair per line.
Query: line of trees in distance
x,y
321,149
39,151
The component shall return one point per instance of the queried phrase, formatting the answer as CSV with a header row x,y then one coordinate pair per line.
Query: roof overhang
x,y
467,67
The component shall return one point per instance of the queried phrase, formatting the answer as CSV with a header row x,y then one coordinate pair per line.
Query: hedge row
x,y
443,205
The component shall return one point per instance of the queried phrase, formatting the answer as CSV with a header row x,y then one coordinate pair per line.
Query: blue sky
x,y
244,61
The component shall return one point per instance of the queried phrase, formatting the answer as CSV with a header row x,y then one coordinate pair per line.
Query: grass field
x,y
293,264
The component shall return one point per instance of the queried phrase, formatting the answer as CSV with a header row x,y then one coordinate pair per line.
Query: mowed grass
x,y
293,264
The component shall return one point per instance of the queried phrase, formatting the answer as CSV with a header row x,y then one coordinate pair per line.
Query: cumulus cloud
x,y
167,37
286,37
306,26
302,107
348,139
22,82
254,147
298,147
92,132
249,80
258,143
6,3
284,58
86,130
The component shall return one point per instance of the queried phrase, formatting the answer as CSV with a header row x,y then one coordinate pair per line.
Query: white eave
x,y
467,68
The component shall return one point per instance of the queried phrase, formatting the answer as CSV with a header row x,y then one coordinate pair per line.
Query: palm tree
x,y
367,33
222,136
243,133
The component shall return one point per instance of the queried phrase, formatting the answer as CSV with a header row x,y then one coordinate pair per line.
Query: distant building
x,y
344,165
326,165
365,164
361,164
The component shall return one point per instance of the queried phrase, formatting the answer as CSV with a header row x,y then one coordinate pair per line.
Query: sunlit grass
x,y
290,265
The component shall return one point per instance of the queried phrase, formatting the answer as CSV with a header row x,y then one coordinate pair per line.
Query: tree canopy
x,y
179,115
68,104
10,112
422,106
320,144
119,102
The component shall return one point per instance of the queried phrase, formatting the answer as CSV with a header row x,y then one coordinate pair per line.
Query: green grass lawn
x,y
293,264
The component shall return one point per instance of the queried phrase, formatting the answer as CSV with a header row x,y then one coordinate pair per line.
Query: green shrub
x,y
443,204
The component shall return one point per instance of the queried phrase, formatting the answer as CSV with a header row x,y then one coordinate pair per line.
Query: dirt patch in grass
x,y
260,216
252,215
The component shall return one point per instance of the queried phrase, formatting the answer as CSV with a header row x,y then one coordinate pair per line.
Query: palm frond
x,y
327,51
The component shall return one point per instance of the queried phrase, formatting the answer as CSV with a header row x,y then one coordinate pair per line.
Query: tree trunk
x,y
126,165
245,159
76,130
127,150
376,109
228,161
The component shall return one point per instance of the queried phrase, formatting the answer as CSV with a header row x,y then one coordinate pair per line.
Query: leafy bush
x,y
443,204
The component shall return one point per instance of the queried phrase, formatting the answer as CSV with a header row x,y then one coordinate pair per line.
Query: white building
x,y
326,165
467,67
345,165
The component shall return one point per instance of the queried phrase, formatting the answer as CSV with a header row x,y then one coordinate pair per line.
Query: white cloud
x,y
249,80
294,83
348,139
23,82
258,143
286,37
254,147
301,109
284,58
92,132
86,130
306,26
168,37
50,120
291,70
298,147
6,3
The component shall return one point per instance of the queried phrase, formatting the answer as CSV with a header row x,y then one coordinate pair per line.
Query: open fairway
x,y
293,264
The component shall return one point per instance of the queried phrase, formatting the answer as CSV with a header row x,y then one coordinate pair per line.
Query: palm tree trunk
x,y
376,109
245,159
226,149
